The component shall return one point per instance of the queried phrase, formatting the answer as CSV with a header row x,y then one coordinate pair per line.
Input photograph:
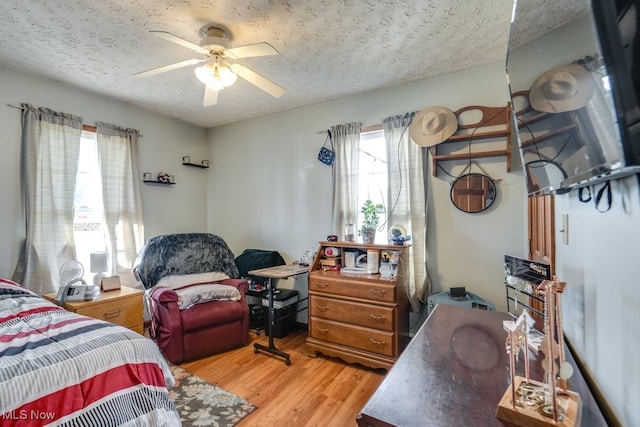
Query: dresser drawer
x,y
371,316
367,339
353,288
126,312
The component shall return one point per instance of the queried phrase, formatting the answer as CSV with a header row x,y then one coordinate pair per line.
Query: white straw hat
x,y
564,88
433,125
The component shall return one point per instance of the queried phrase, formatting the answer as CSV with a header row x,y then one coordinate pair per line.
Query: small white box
x,y
373,261
350,259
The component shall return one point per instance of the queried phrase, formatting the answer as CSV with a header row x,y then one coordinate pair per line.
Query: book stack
x,y
330,262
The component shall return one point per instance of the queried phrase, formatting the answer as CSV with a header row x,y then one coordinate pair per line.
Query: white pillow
x,y
197,294
180,280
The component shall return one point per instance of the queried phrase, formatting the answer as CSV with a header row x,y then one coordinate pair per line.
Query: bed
x,y
62,369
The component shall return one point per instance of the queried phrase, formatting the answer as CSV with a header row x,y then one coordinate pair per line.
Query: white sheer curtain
x,y
117,152
50,151
407,203
346,142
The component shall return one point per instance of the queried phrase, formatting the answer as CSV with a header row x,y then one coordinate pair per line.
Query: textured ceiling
x,y
328,48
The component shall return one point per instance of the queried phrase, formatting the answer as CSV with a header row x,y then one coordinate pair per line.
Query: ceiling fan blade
x,y
177,40
210,96
263,83
251,50
166,68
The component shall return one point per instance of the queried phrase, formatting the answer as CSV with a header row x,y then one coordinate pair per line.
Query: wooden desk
x,y
454,372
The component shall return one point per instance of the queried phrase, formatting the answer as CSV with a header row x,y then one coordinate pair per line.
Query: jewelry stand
x,y
524,414
531,403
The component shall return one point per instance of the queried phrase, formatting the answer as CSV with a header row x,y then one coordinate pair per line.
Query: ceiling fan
x,y
216,72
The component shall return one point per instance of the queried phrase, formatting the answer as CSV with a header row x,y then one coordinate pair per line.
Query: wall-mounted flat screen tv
x,y
574,86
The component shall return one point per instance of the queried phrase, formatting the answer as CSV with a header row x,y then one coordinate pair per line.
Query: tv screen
x,y
575,103
622,56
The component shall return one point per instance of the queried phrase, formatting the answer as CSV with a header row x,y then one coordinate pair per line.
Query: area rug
x,y
201,403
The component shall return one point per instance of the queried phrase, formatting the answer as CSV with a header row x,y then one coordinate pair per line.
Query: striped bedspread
x,y
61,369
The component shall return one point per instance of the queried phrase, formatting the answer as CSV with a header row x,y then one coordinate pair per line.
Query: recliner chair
x,y
181,269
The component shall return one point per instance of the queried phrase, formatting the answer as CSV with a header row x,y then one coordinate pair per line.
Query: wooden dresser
x,y
122,307
360,318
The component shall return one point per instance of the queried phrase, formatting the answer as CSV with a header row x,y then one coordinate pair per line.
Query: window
x,y
391,174
373,175
50,190
89,229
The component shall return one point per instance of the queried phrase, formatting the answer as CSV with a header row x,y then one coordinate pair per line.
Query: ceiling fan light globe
x,y
204,73
227,77
215,84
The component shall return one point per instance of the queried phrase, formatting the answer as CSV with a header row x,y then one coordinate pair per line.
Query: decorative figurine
x,y
163,177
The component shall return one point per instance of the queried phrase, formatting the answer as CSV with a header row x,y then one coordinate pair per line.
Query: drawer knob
x,y
379,343
112,314
322,285
378,292
374,317
322,307
322,330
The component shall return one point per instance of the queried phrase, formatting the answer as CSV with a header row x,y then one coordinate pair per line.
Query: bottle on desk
x,y
349,233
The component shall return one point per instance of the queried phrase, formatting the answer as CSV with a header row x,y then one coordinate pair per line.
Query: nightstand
x,y
122,307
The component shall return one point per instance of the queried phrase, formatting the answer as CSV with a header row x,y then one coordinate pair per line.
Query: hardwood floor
x,y
319,391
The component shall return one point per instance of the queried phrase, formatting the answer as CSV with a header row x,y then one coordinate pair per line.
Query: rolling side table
x,y
277,272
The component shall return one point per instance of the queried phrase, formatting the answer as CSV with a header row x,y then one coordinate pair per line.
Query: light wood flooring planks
x,y
319,391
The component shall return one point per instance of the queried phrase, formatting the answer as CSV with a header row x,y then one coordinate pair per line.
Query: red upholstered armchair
x,y
197,303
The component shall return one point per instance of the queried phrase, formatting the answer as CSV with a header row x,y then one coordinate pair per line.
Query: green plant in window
x,y
371,220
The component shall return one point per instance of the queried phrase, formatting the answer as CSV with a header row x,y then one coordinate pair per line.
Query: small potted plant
x,y
371,220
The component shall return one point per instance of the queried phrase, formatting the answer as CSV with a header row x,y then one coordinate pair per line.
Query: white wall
x,y
602,303
178,208
267,190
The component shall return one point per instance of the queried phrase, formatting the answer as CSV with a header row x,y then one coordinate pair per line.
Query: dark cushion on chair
x,y
187,253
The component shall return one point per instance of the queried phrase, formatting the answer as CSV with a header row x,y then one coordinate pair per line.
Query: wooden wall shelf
x,y
196,165
491,117
478,135
527,116
549,135
551,141
472,155
158,182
